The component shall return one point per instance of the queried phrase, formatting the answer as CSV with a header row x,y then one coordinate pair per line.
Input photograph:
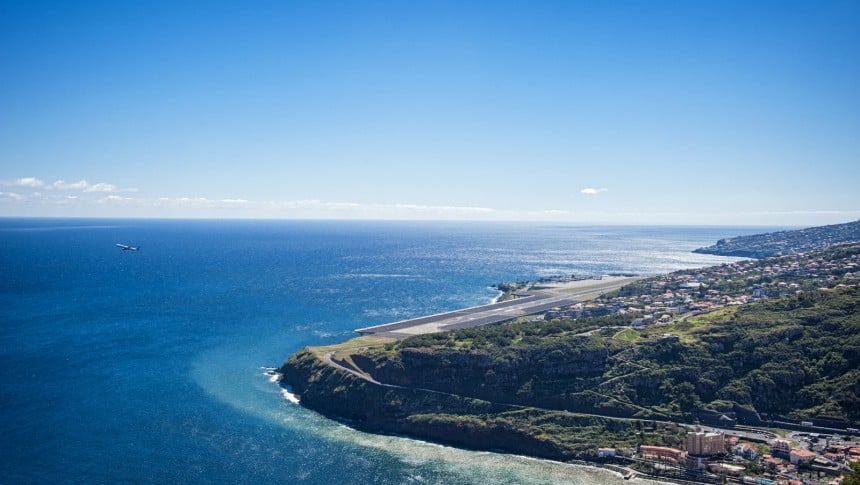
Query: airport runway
x,y
535,302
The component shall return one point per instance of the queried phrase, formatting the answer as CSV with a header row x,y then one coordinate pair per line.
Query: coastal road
x,y
533,303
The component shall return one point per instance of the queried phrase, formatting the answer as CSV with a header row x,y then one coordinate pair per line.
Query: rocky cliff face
x,y
447,418
561,376
339,394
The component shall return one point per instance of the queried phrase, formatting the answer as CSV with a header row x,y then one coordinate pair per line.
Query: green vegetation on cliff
x,y
460,420
550,434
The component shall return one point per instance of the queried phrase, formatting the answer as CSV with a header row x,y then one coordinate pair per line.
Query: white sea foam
x,y
289,396
274,376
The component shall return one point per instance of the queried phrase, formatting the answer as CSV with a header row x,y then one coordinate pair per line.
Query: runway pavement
x,y
532,303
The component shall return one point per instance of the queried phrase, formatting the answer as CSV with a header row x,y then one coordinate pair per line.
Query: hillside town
x,y
717,457
682,294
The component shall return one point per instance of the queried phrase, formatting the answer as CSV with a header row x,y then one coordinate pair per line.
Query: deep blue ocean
x,y
149,366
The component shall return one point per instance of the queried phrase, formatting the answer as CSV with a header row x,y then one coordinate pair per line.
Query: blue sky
x,y
651,112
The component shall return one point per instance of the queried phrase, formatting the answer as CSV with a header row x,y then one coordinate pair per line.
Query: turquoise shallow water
x,y
149,366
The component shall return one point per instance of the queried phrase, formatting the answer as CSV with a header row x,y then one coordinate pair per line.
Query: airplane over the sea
x,y
127,248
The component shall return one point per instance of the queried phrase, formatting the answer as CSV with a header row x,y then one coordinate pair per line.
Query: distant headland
x,y
781,243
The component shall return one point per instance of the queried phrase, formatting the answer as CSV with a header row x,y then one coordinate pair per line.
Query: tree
x,y
853,478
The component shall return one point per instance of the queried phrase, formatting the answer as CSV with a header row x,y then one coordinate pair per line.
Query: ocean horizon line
x,y
545,223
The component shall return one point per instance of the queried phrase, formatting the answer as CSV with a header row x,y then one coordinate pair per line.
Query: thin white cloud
x,y
10,195
32,195
315,204
63,185
320,208
84,192
115,198
294,204
81,185
442,208
101,187
802,213
195,202
31,182
592,191
350,206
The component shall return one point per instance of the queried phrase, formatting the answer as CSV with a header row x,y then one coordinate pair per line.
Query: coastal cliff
x,y
461,421
335,392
